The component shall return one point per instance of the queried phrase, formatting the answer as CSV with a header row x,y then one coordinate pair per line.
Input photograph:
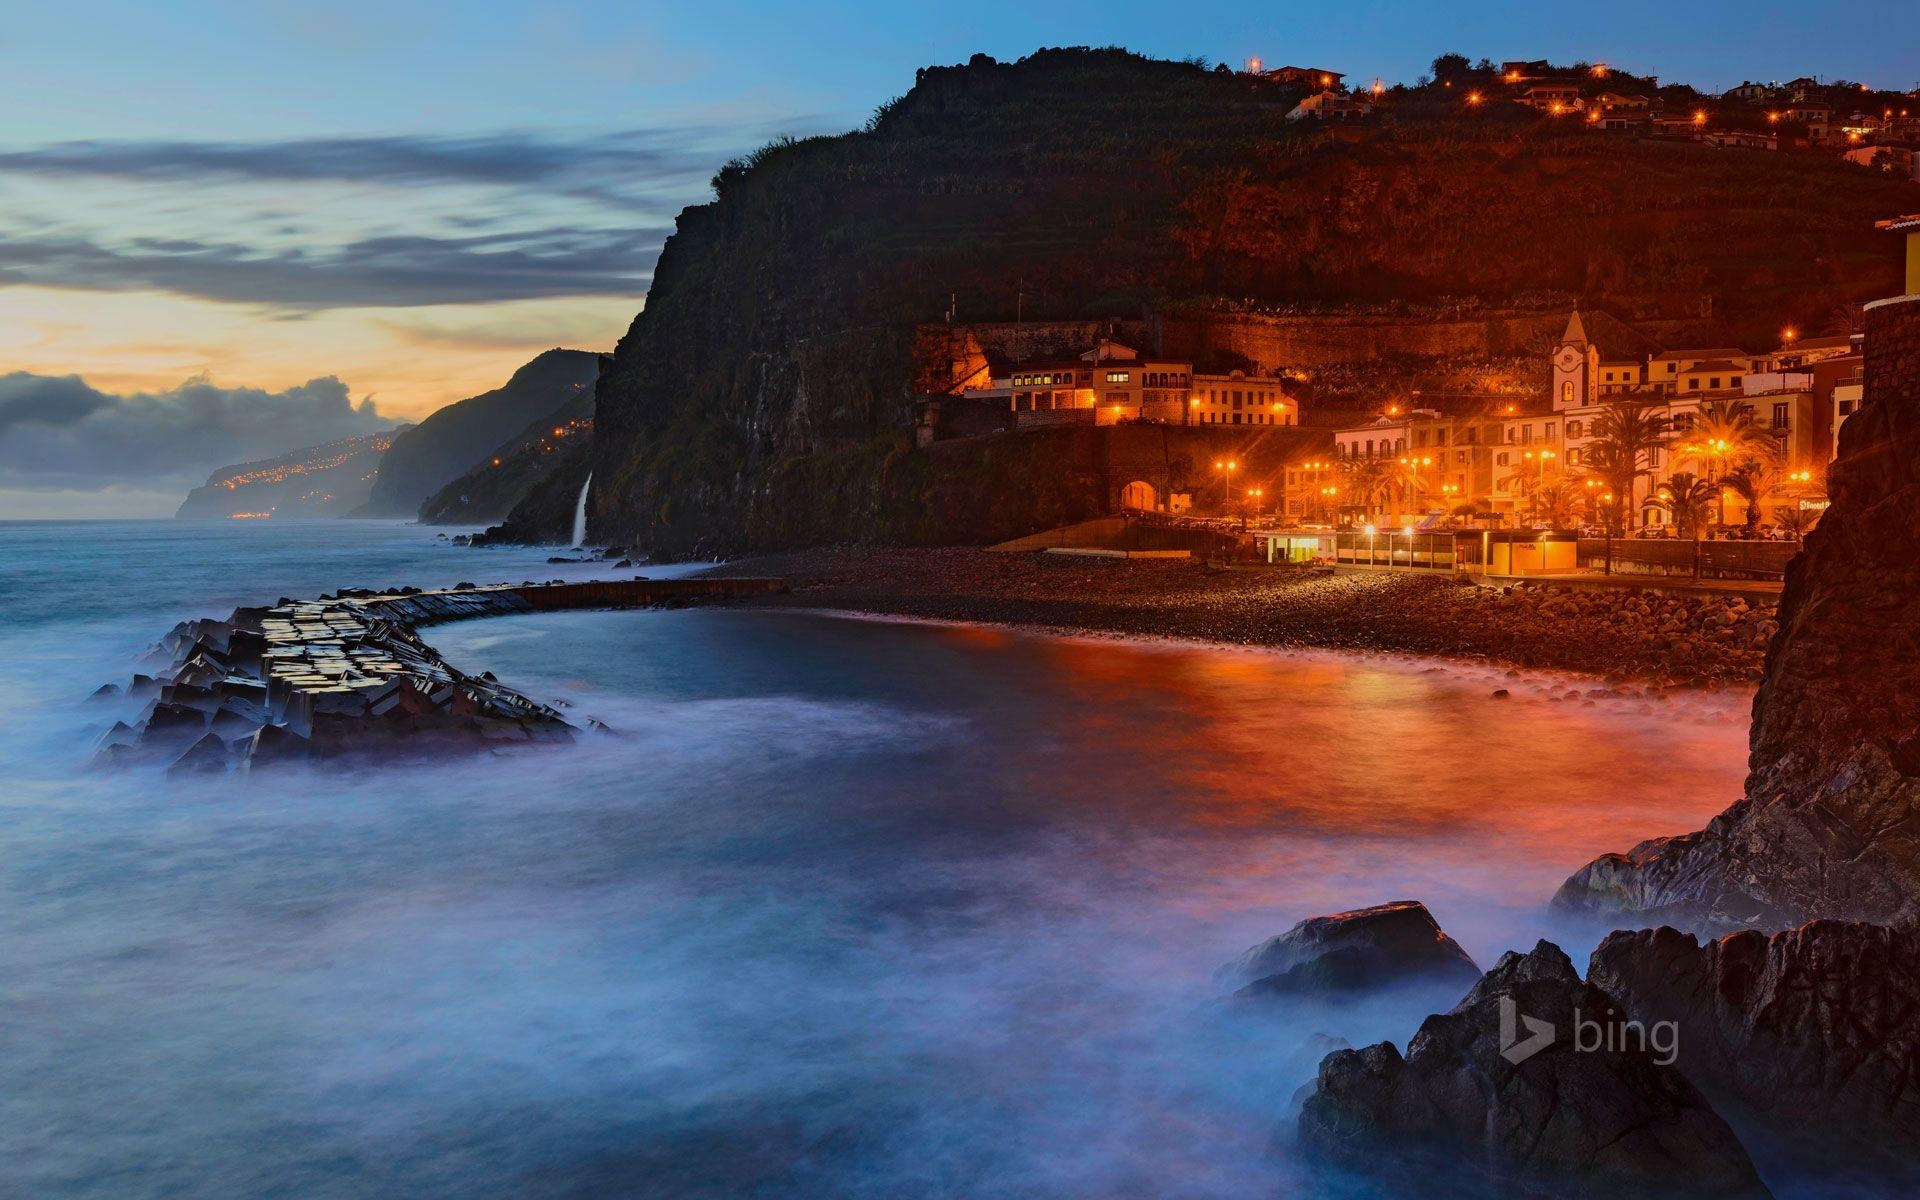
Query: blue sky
x,y
414,198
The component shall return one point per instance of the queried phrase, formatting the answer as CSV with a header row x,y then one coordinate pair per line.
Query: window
x,y
1566,391
1500,459
1782,416
1714,383
1846,408
1549,433
1116,376
1573,458
1459,456
1573,429
1439,437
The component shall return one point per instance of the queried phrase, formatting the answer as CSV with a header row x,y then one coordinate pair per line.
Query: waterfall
x,y
580,515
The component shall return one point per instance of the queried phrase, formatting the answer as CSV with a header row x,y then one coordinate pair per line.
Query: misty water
x,y
843,907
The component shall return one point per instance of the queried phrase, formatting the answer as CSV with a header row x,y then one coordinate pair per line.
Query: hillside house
x,y
1331,106
1313,77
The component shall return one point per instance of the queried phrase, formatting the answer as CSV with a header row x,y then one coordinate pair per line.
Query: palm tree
x,y
1723,437
1689,500
1626,435
1753,482
1550,494
1372,481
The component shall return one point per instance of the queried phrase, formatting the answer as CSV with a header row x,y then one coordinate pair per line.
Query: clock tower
x,y
1576,362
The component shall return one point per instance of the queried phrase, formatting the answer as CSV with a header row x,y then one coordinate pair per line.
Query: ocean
x,y
840,907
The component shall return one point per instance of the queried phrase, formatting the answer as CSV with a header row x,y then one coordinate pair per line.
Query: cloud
x,y
395,221
59,433
622,164
394,271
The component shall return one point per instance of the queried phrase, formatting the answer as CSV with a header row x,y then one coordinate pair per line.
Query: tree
x,y
1373,482
1626,435
1724,437
1689,500
1794,519
1450,66
1551,494
1753,482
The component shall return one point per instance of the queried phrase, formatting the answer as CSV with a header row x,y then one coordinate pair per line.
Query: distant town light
x,y
1473,97
1253,66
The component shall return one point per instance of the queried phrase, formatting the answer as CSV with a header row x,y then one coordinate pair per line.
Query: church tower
x,y
1576,365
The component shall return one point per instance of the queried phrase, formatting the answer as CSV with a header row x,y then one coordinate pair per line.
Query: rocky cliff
x,y
1829,825
553,443
458,437
771,371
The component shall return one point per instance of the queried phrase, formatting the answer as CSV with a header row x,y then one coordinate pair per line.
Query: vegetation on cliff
x,y
770,370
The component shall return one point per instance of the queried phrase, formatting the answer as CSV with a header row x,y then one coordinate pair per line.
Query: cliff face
x,y
502,479
439,449
1830,822
776,347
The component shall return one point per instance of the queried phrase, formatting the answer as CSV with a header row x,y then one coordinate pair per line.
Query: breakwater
x,y
349,674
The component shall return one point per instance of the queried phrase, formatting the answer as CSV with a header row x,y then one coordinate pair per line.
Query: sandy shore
x,y
1624,635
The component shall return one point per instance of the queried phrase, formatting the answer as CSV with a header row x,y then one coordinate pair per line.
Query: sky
x,y
349,214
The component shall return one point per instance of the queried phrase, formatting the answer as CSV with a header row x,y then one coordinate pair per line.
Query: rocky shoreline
x,y
1626,634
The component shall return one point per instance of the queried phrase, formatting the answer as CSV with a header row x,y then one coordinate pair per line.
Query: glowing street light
x,y
1226,469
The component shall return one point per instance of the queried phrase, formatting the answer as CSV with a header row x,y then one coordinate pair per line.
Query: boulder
x,y
1810,1038
1503,1096
1829,825
1397,942
208,756
106,691
272,744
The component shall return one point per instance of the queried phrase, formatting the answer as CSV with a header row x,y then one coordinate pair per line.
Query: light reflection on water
x,y
846,908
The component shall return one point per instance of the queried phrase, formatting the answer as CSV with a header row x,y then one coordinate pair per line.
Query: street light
x,y
1226,469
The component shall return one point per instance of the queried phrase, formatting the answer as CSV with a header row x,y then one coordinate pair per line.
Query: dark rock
x,y
1501,694
1808,1039
209,756
106,691
1457,1116
272,744
1827,825
1390,943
